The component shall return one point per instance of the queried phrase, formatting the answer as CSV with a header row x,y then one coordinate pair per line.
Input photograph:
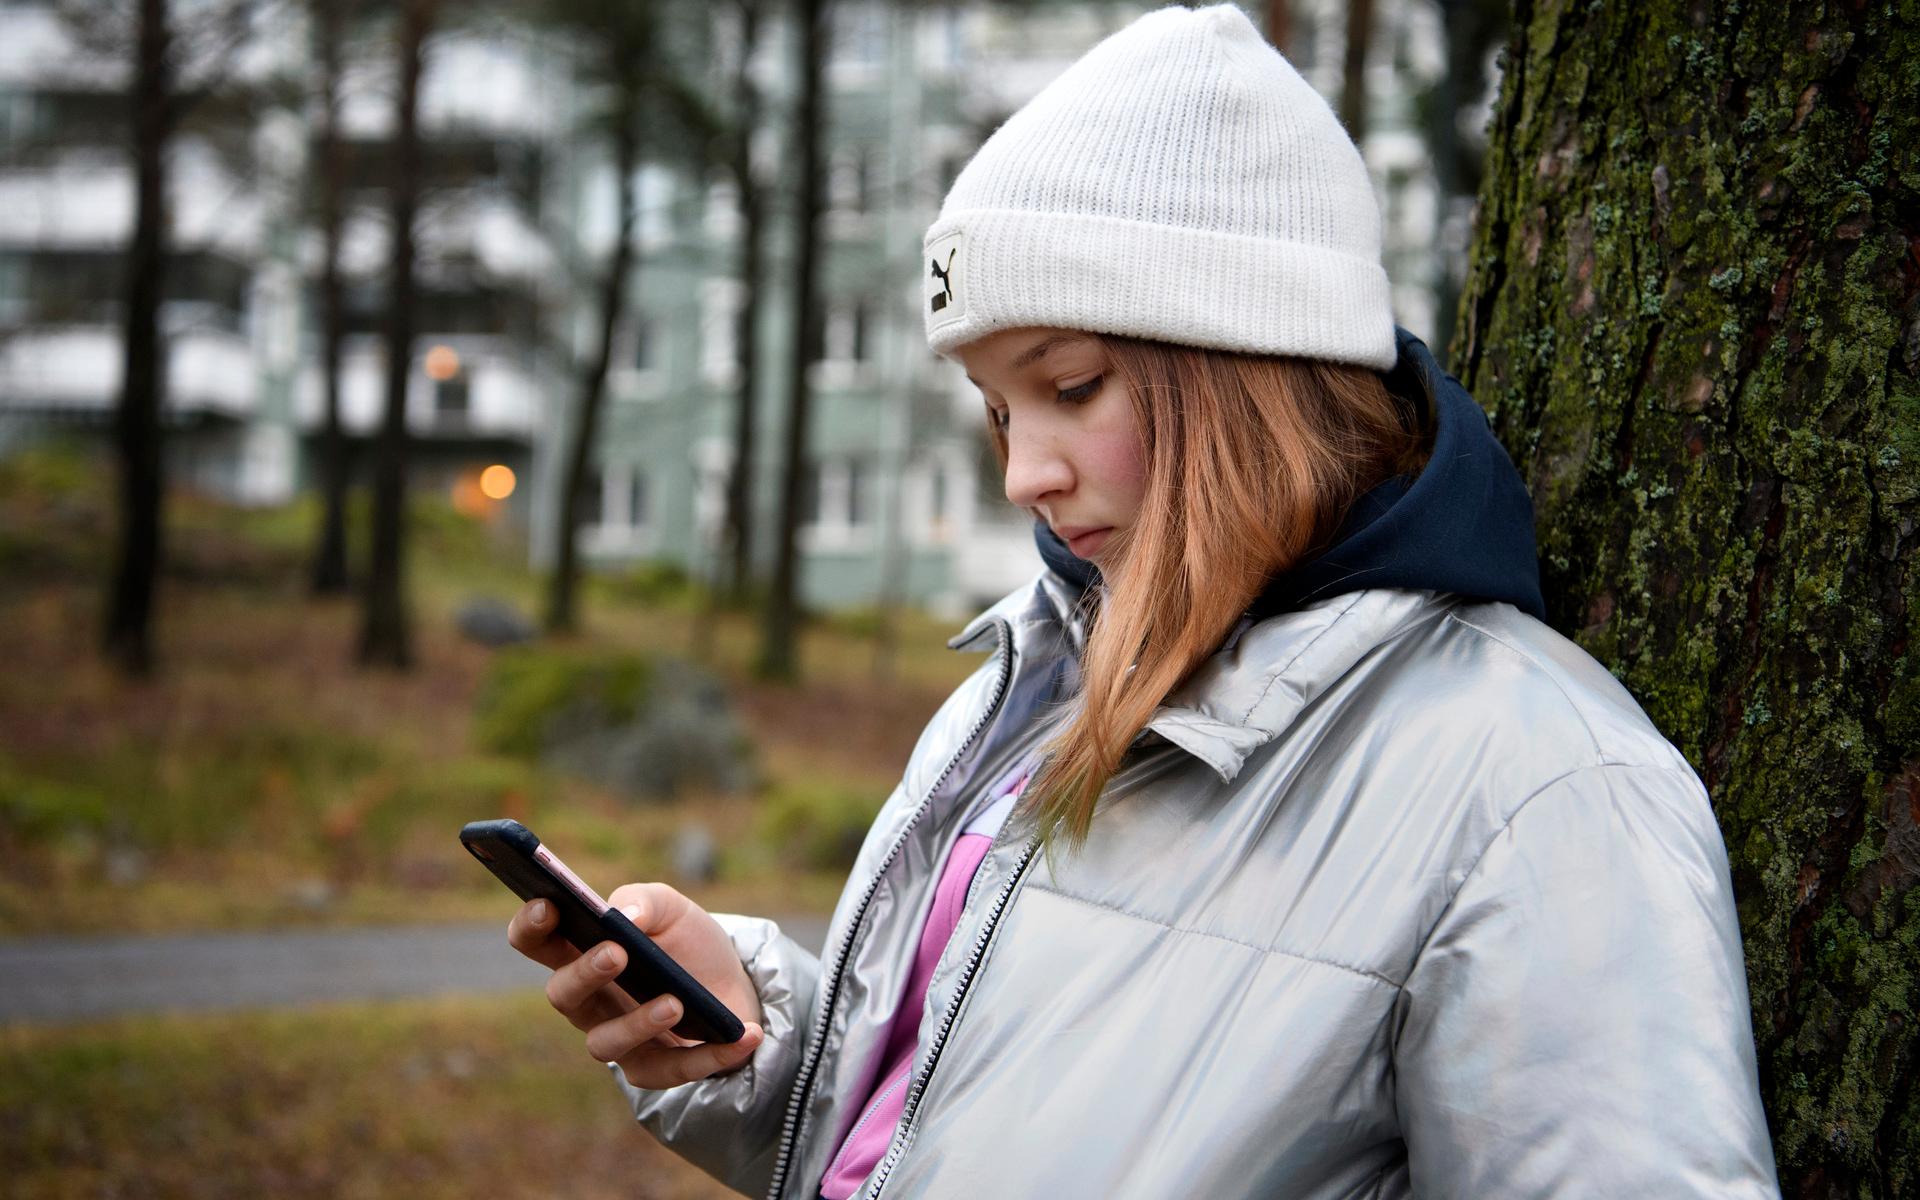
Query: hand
x,y
637,1037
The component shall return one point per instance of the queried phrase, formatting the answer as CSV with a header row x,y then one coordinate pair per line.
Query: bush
x,y
38,811
651,584
529,693
818,826
649,730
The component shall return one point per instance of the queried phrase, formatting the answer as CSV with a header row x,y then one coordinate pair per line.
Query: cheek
x,y
1117,460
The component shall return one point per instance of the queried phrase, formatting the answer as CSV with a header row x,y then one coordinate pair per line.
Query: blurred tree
x,y
384,634
1279,25
1473,28
1694,313
330,19
175,65
745,119
626,58
129,628
779,657
1353,72
732,579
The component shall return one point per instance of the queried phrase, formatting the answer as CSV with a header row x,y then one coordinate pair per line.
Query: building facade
x,y
902,496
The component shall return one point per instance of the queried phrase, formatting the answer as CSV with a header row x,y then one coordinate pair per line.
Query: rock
x,y
695,857
124,866
314,895
685,736
493,622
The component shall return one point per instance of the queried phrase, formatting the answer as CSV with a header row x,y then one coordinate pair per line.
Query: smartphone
x,y
511,851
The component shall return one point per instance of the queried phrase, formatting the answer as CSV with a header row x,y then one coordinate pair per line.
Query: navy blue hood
x,y
1463,525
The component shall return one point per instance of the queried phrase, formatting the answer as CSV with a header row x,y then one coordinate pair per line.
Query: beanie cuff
x,y
1191,287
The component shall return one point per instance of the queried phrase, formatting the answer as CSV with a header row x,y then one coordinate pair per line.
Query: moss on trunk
x,y
1694,314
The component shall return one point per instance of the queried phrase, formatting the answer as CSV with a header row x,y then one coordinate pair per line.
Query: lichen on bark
x,y
1693,312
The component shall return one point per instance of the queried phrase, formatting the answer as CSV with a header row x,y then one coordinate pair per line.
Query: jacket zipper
x,y
903,1134
803,1083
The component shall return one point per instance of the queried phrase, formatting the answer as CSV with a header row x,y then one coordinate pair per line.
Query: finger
x,y
650,1022
582,990
651,906
533,933
656,1067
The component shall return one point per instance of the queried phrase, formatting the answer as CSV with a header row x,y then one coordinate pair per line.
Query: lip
x,y
1084,540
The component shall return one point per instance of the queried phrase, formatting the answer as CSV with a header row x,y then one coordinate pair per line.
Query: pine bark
x,y
127,637
1694,315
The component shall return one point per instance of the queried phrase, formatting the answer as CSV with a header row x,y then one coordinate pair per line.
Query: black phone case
x,y
506,848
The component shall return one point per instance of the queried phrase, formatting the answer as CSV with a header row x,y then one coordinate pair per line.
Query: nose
x,y
1037,466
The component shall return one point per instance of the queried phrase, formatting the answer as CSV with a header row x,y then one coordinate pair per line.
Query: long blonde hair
x,y
1252,464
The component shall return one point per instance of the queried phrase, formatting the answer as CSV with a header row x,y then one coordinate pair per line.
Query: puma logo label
x,y
945,276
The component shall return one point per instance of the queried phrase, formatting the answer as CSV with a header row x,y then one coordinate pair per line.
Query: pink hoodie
x,y
870,1135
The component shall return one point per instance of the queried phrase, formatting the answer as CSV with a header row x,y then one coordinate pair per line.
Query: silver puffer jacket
x,y
1400,895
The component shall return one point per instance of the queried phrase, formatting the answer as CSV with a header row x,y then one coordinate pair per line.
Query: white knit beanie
x,y
1180,182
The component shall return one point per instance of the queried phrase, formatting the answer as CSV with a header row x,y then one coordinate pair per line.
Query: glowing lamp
x,y
442,363
496,482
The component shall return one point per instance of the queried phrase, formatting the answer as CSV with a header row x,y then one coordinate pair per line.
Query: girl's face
x,y
1075,454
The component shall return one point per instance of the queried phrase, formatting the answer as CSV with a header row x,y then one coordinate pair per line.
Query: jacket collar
x,y
1048,601
1251,690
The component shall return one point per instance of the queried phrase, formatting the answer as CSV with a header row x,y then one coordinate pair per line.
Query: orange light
x,y
496,482
442,363
468,500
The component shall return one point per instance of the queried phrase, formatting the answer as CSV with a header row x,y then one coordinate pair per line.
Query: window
x,y
638,512
844,334
643,337
450,397
811,480
723,208
13,288
720,329
850,182
859,483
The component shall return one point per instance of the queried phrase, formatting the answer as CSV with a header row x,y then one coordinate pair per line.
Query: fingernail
x,y
664,1009
632,911
603,959
537,912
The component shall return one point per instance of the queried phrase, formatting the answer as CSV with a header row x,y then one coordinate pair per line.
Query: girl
x,y
1278,849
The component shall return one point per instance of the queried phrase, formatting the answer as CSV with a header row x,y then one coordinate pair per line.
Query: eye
x,y
1081,391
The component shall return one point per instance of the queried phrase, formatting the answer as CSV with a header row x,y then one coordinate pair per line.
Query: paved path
x,y
75,979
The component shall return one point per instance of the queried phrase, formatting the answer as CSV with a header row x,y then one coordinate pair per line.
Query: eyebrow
x,y
1039,350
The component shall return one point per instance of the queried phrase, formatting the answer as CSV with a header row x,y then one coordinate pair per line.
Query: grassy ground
x,y
262,779
443,1098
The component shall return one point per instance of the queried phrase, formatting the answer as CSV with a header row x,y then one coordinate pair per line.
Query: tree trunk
x,y
779,657
127,638
1471,28
330,575
561,604
1279,25
384,637
1694,312
1353,75
739,525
